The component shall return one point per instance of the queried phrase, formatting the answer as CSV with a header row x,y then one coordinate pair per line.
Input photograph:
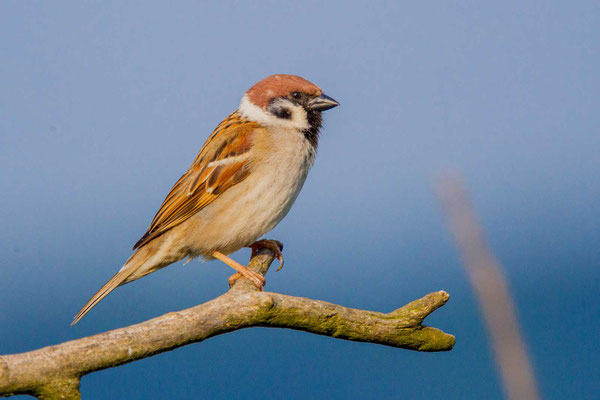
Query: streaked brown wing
x,y
221,163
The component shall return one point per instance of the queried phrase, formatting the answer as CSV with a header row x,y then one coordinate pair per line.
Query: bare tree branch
x,y
54,372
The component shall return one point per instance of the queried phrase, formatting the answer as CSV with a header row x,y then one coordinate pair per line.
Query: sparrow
x,y
241,184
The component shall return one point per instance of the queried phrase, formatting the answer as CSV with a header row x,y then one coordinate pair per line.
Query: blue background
x,y
104,104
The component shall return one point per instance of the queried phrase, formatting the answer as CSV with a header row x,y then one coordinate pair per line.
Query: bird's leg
x,y
257,279
274,245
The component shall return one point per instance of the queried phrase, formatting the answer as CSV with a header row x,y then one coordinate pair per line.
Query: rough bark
x,y
54,372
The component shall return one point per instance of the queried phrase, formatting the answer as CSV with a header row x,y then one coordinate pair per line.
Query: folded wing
x,y
222,162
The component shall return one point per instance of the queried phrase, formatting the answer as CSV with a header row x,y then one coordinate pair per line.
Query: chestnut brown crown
x,y
280,85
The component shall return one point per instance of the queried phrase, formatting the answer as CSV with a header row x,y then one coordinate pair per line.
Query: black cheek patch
x,y
281,112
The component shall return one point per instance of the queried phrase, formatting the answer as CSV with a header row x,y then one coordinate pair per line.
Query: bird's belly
x,y
247,211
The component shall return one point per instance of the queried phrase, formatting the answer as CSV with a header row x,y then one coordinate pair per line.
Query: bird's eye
x,y
296,95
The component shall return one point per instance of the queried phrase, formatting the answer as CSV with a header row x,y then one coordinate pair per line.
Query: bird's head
x,y
286,101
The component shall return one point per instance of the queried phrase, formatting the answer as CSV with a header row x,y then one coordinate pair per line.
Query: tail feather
x,y
138,265
117,280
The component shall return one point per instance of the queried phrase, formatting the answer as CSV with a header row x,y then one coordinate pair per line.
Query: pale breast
x,y
250,209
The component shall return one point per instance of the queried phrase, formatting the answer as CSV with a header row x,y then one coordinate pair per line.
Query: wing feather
x,y
221,163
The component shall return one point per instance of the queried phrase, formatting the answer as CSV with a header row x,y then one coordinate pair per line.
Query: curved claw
x,y
274,245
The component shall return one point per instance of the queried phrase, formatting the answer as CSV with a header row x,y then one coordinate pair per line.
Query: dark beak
x,y
322,103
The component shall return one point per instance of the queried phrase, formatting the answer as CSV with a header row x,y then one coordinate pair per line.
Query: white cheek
x,y
298,120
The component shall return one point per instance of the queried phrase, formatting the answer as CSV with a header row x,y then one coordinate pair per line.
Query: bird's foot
x,y
274,245
233,279
257,279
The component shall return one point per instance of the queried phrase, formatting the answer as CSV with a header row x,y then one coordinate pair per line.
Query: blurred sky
x,y
104,104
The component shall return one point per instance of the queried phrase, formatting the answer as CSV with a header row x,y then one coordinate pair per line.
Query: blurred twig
x,y
54,372
491,289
